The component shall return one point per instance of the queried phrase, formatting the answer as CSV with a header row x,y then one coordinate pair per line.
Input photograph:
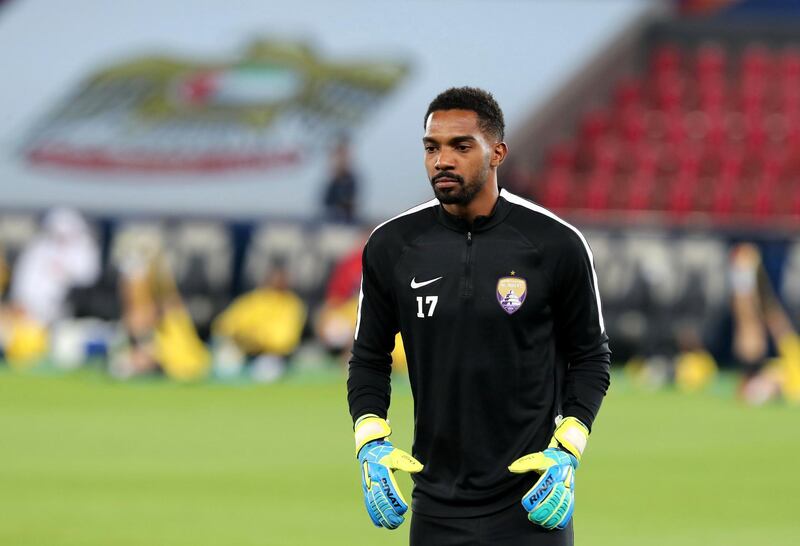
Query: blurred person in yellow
x,y
759,315
695,367
25,342
159,331
263,327
63,256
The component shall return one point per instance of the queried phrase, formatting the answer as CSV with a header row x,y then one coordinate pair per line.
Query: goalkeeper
x,y
496,300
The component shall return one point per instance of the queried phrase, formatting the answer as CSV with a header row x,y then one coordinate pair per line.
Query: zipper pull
x,y
469,237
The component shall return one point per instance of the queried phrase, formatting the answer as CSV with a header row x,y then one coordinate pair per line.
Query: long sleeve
x,y
581,332
368,384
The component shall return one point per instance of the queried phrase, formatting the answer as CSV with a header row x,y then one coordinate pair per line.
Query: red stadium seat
x,y
712,94
594,126
789,99
640,190
774,162
668,93
789,63
598,189
744,196
628,94
605,155
557,189
676,130
633,126
722,205
795,207
776,127
562,155
756,61
763,203
681,194
710,60
666,59
755,135
645,158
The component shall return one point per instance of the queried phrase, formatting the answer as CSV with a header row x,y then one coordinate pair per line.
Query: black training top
x,y
503,331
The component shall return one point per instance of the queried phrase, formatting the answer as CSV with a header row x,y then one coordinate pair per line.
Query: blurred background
x,y
185,189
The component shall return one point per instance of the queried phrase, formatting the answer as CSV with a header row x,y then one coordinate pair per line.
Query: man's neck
x,y
481,205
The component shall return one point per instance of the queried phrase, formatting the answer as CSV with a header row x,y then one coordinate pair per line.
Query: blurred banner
x,y
174,108
272,107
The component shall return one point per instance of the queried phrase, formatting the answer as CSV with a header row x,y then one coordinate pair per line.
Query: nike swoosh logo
x,y
415,284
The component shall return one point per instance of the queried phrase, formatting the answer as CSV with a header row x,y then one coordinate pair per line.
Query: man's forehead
x,y
462,122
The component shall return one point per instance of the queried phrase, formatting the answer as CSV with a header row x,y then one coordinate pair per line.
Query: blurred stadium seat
x,y
282,242
201,256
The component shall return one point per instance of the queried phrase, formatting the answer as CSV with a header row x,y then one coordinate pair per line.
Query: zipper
x,y
468,268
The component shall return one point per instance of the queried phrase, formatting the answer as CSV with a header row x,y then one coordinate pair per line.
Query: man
x,y
496,300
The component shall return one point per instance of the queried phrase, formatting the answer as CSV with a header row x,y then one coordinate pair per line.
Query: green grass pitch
x,y
85,461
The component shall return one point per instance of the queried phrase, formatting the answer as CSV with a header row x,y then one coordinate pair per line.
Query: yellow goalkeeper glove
x,y
551,500
379,459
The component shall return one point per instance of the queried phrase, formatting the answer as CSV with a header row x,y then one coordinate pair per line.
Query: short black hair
x,y
490,116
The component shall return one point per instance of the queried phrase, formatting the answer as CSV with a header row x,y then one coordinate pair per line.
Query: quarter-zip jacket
x,y
503,331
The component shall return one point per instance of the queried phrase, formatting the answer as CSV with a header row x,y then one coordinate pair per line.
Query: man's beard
x,y
464,193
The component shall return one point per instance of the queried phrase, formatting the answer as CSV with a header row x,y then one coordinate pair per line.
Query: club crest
x,y
511,292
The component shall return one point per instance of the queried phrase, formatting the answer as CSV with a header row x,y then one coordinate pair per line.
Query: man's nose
x,y
444,161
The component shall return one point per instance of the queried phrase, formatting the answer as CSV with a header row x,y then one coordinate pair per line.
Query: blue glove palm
x,y
385,504
551,500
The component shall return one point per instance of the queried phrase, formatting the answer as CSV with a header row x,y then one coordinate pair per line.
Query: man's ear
x,y
499,153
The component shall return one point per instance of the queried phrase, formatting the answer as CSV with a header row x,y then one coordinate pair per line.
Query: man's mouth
x,y
446,182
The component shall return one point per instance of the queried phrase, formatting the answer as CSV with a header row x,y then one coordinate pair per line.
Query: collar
x,y
481,223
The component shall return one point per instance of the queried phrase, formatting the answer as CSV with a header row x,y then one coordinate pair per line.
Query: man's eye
x,y
462,148
430,149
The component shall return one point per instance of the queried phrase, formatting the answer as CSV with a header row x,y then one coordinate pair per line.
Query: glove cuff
x,y
370,427
572,435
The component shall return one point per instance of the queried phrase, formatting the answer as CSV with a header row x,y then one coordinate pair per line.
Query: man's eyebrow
x,y
454,140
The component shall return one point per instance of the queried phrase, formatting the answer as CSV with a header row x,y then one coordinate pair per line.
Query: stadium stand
x,y
704,130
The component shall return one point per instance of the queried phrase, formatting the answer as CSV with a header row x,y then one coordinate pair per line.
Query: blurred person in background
x,y
758,317
261,328
159,332
335,322
5,315
5,272
63,256
340,194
